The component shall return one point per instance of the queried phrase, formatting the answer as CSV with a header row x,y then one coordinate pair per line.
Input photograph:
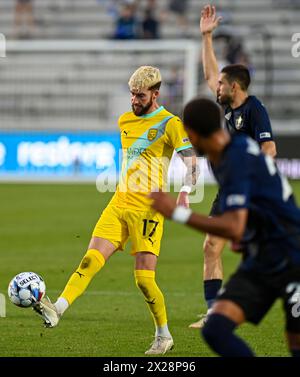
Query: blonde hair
x,y
145,77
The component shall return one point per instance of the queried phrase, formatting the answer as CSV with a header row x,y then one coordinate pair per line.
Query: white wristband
x,y
187,189
181,214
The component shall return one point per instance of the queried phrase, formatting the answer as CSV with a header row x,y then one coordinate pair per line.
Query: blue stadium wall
x,y
57,155
71,155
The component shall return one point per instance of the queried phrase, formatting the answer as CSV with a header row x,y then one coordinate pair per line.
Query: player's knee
x,y
217,329
210,330
211,248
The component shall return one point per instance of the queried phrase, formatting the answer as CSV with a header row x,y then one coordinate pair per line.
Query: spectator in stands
x,y
236,54
152,5
233,49
179,8
127,25
24,13
113,6
150,25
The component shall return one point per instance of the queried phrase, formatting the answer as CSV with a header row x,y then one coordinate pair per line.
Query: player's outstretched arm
x,y
231,225
208,23
189,158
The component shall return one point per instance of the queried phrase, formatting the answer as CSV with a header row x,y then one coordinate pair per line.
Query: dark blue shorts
x,y
215,207
255,293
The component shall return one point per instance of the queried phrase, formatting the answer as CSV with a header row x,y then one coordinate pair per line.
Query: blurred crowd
x,y
134,20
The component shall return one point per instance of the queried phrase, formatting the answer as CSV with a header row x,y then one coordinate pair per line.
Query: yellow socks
x,y
91,263
145,280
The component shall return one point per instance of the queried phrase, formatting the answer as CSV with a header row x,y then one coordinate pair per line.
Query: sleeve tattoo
x,y
189,158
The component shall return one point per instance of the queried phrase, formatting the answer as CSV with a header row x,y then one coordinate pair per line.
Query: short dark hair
x,y
239,73
155,86
203,116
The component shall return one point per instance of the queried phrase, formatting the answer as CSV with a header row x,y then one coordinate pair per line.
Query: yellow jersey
x,y
148,143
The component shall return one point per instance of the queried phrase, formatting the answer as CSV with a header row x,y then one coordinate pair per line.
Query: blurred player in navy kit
x,y
257,212
243,114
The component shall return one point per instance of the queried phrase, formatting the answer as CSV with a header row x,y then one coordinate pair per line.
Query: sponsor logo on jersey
x,y
264,135
235,200
185,140
134,152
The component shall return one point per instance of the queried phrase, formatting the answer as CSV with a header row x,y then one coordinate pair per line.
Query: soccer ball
x,y
26,288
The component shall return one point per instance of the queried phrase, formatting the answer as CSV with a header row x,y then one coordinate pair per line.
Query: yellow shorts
x,y
145,229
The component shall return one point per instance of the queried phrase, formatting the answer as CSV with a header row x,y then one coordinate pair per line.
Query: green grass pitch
x,y
46,229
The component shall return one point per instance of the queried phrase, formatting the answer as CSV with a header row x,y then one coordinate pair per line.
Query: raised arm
x,y
208,23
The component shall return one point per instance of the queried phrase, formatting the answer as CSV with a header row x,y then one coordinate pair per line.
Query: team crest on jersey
x,y
152,133
239,123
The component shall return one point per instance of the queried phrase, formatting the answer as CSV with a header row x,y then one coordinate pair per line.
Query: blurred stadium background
x,y
64,78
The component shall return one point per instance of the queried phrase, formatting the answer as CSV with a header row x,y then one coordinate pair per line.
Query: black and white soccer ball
x,y
26,289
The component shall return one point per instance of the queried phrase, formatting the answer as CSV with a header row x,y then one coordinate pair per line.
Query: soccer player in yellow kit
x,y
149,135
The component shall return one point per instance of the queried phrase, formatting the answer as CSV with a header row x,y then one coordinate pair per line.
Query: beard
x,y
224,100
140,110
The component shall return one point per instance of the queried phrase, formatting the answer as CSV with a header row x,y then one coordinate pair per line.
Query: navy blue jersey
x,y
249,179
250,118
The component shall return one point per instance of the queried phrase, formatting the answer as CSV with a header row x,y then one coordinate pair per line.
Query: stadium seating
x,y
41,86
